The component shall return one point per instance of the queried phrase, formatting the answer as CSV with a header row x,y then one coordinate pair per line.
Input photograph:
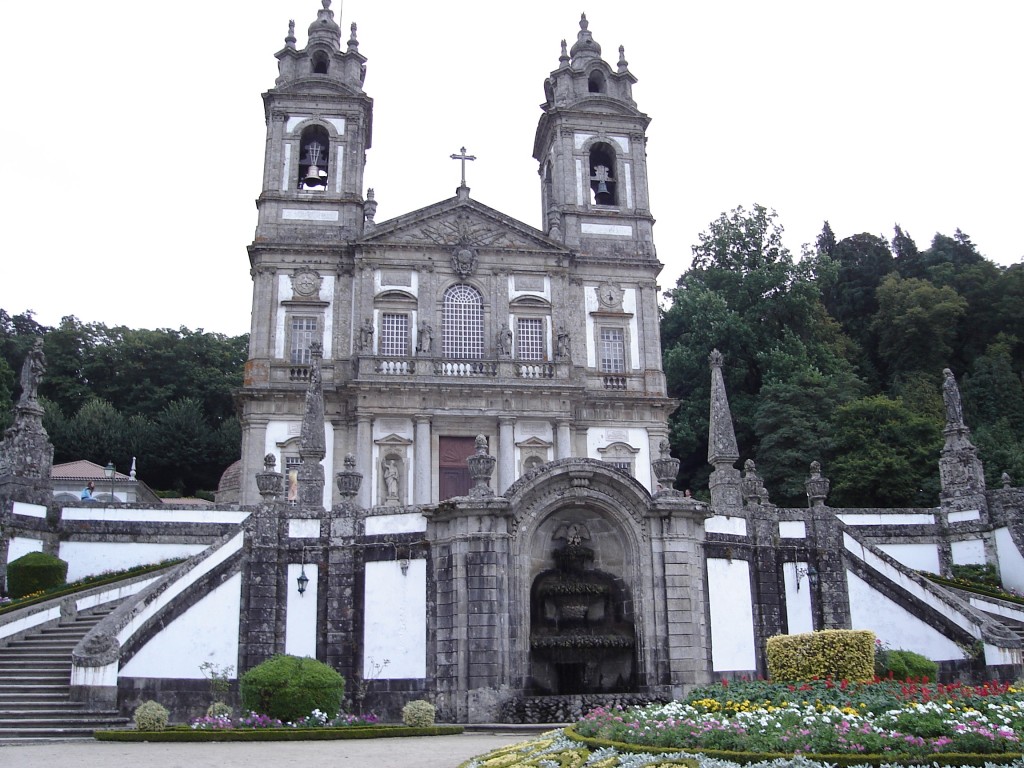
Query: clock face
x,y
609,295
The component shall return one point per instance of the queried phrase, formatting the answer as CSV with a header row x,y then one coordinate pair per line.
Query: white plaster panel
x,y
627,170
286,166
580,199
1011,561
579,139
877,518
629,305
27,622
591,305
306,214
284,293
968,552
395,620
328,464
964,515
29,510
736,526
622,141
998,607
116,592
300,617
338,123
792,529
637,437
111,514
732,615
187,579
301,528
378,525
798,598
894,625
206,632
89,558
523,430
327,294
614,230
20,546
293,121
920,557
339,166
513,294
908,583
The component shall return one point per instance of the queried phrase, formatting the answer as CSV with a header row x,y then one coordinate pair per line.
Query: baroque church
x,y
455,480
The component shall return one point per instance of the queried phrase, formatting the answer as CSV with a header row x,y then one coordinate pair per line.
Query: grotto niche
x,y
581,624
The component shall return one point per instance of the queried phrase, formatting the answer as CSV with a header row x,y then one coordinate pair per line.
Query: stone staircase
x,y
35,675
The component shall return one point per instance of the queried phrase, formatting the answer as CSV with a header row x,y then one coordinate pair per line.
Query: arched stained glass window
x,y
462,337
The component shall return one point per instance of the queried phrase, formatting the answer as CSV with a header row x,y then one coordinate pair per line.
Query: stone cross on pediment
x,y
463,157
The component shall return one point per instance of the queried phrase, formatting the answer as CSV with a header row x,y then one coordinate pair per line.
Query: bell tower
x,y
591,146
318,129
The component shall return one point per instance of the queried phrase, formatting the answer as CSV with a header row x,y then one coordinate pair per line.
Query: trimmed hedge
x,y
842,654
842,761
35,572
289,688
278,734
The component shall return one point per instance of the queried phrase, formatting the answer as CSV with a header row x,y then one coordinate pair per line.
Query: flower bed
x,y
901,720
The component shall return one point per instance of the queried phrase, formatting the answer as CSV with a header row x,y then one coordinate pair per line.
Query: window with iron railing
x,y
530,338
394,335
613,350
303,333
462,336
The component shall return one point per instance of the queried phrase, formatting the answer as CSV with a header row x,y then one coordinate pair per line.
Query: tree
x,y
915,325
747,296
884,455
862,263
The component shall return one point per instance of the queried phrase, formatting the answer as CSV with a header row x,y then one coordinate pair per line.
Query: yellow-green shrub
x,y
842,654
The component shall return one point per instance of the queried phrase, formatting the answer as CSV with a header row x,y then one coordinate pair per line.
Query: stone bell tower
x,y
591,146
311,209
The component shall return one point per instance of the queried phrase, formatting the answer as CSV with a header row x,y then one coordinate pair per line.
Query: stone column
x,y
563,441
506,453
364,459
421,460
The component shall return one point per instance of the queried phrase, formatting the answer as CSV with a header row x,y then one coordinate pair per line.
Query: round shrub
x,y
218,709
150,716
418,714
34,572
289,688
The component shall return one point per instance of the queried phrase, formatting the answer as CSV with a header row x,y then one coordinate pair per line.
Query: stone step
x,y
31,734
45,709
36,679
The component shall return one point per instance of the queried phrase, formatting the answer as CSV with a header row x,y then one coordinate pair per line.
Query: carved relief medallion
x,y
306,283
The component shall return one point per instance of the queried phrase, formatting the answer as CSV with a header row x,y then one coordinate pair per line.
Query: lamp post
x,y
109,471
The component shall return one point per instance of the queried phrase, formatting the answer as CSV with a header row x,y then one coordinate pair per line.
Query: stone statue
x,y
951,397
564,349
504,341
390,467
366,336
426,338
32,372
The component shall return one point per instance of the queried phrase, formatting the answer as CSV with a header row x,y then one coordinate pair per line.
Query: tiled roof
x,y
82,470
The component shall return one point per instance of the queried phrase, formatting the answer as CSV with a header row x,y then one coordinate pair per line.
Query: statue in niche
x,y
366,336
504,341
564,349
951,397
426,338
390,469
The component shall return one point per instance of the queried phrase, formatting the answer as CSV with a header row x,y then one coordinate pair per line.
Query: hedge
x,y
184,733
842,654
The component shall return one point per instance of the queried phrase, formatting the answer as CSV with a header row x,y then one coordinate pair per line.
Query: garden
x,y
798,718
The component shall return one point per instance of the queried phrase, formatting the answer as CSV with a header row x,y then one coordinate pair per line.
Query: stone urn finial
x,y
481,466
349,479
817,486
666,469
270,482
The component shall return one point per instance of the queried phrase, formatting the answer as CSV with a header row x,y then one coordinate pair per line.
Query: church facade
x,y
455,480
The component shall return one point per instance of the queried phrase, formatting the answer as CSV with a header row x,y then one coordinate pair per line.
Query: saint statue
x,y
32,372
391,478
951,397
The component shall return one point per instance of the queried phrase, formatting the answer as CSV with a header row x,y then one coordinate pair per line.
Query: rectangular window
x,y
530,338
625,466
303,334
613,350
394,335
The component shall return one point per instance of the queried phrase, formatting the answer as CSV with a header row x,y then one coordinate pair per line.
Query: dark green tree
x,y
884,455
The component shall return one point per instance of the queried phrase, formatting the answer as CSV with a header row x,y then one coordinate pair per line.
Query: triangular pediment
x,y
461,221
393,439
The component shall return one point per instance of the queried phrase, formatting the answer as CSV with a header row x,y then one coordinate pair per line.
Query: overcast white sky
x,y
133,132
